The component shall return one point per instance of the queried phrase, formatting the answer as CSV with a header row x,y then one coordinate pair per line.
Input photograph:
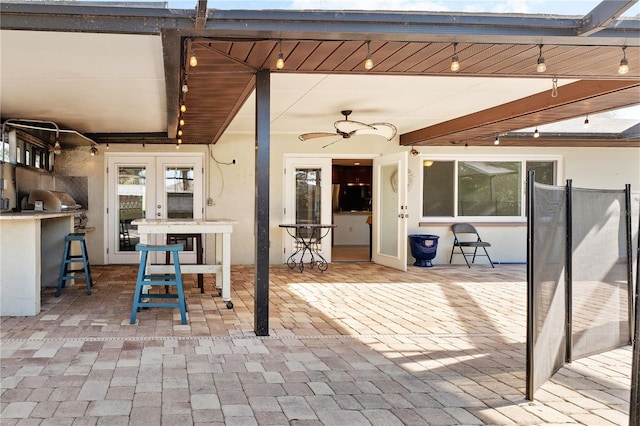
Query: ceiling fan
x,y
347,128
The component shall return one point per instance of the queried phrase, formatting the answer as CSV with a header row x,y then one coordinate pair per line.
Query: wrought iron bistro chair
x,y
466,235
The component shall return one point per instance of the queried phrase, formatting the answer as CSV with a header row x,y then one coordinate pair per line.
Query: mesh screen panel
x,y
600,302
549,253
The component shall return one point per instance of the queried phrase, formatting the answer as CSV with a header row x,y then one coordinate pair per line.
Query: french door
x,y
390,210
160,186
307,199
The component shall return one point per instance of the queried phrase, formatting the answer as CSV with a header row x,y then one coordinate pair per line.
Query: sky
x,y
555,7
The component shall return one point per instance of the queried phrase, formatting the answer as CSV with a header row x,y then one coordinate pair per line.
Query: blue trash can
x,y
423,248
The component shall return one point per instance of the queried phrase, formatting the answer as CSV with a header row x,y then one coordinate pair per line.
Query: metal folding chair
x,y
466,235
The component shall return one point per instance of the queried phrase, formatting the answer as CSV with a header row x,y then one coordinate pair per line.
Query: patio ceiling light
x,y
542,67
368,63
624,64
280,60
455,61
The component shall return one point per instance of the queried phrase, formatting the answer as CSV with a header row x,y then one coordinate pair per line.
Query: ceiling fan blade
x,y
348,126
313,135
385,130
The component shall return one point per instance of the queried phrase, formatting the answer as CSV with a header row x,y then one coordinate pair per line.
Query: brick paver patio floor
x,y
360,344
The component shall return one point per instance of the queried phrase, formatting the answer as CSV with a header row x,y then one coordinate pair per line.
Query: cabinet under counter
x,y
31,250
352,228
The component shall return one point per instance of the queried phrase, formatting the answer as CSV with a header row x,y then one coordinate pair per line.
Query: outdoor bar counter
x,y
31,249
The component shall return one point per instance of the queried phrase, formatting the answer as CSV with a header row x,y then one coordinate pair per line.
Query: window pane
x,y
179,190
544,171
308,198
438,188
489,188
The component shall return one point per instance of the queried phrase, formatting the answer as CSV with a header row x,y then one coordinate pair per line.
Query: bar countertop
x,y
32,214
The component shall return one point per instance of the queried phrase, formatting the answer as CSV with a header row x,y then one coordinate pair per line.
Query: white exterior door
x,y
307,198
390,210
150,186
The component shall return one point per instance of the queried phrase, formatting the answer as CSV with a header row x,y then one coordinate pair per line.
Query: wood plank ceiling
x,y
224,78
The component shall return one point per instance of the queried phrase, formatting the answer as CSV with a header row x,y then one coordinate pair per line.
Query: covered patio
x,y
357,344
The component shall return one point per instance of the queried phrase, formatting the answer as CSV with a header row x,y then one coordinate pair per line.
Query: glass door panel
x,y
308,198
178,183
389,211
132,183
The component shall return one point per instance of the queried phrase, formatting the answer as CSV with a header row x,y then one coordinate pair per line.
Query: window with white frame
x,y
480,187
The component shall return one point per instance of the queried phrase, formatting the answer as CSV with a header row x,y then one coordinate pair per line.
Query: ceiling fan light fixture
x,y
368,63
541,67
624,63
347,128
455,61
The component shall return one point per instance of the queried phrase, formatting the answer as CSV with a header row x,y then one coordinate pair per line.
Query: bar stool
x,y
197,246
142,300
66,270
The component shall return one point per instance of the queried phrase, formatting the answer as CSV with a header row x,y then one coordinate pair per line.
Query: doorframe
x,y
286,242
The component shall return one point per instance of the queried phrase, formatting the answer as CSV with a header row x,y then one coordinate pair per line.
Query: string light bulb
x,y
586,122
280,60
554,88
107,146
180,132
541,67
536,133
193,59
181,121
624,64
185,88
57,149
368,63
93,151
183,108
455,61
427,163
496,141
179,141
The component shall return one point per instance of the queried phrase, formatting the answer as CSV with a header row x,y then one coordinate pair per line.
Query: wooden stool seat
x,y
66,269
143,300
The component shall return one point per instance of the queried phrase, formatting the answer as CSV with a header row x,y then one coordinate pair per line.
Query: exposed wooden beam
x,y
581,97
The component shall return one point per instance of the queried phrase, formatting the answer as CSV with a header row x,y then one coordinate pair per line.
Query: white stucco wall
x,y
232,186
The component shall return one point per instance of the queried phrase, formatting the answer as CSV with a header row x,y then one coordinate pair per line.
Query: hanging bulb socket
x,y
181,121
455,61
624,63
541,67
368,63
496,141
536,133
185,88
414,152
554,88
183,108
193,59
57,149
586,122
93,151
280,60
